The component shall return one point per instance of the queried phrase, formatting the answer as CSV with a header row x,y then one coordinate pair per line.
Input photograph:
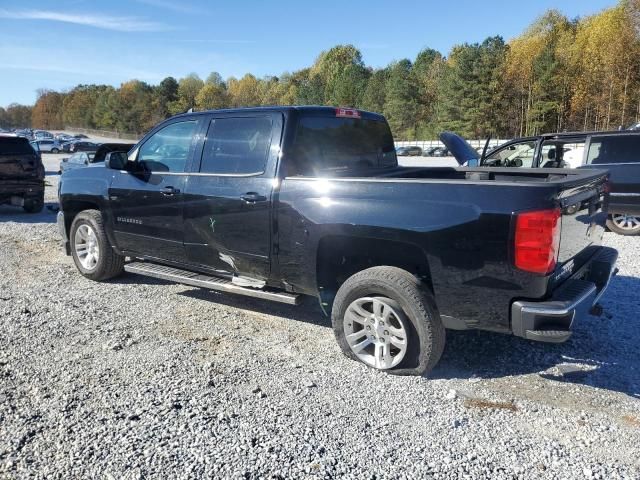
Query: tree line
x,y
560,74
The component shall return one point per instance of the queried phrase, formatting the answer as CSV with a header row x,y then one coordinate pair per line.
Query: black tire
x,y
611,225
109,264
33,205
55,150
426,334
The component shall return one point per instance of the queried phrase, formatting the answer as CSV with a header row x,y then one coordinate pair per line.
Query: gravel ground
x,y
138,378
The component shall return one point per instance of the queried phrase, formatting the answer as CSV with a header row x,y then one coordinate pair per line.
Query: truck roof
x,y
306,109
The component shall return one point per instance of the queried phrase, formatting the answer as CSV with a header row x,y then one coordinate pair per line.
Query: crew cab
x,y
284,202
618,152
21,174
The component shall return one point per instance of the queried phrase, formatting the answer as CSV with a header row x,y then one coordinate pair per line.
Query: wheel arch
x,y
339,257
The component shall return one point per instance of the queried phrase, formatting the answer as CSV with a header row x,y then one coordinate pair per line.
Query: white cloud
x,y
172,5
106,22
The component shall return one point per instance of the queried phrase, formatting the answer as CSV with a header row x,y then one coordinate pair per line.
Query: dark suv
x,y
21,174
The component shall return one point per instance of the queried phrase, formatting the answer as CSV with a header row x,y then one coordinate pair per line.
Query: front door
x,y
147,201
227,212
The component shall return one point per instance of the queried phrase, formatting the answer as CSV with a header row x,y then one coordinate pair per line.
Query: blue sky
x,y
46,44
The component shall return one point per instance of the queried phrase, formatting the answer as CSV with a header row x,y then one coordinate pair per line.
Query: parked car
x,y
617,151
42,135
84,159
48,146
440,152
83,146
21,174
66,146
412,151
63,137
80,136
428,152
77,160
280,202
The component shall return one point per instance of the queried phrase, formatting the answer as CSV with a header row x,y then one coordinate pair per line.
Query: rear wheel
x,y
33,205
383,318
55,150
92,253
624,224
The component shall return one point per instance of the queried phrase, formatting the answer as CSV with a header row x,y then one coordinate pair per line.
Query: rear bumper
x,y
552,320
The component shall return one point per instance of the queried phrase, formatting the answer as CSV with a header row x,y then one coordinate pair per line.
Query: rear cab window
x,y
334,145
614,149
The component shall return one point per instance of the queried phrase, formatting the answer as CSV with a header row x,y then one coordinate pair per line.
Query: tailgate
x,y
19,166
583,221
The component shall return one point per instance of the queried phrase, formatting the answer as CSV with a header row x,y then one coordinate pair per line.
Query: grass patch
x,y
488,404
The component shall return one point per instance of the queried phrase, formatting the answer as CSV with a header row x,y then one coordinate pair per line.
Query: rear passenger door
x,y
228,199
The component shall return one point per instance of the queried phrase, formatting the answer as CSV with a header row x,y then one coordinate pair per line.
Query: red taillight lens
x,y
537,240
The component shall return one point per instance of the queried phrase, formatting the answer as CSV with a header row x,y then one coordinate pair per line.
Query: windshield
x,y
336,144
15,146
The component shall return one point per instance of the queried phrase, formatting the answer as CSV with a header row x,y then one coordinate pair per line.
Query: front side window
x,y
167,150
514,155
237,146
614,149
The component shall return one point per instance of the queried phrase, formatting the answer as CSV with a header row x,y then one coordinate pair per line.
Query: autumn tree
x,y
47,112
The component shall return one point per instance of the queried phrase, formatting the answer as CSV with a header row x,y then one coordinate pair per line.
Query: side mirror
x,y
116,160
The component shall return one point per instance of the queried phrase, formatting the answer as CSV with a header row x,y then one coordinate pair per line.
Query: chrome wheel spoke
x,y
360,346
375,330
86,247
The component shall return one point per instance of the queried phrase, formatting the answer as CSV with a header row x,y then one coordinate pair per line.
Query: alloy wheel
x,y
376,330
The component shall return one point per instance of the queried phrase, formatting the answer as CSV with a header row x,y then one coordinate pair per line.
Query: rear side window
x,y
15,146
237,146
614,149
325,145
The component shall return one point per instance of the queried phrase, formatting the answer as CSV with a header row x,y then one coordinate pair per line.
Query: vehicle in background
x,y
84,159
280,202
63,137
441,152
66,146
77,160
428,152
80,136
412,151
21,174
635,126
26,133
42,135
48,146
82,146
616,151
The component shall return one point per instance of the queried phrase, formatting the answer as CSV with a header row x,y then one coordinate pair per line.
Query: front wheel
x,y
624,224
92,253
383,318
55,150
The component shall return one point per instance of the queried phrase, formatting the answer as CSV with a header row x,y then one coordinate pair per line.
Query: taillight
x,y
537,240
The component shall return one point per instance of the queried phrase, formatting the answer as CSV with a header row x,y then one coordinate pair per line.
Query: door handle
x,y
253,197
168,191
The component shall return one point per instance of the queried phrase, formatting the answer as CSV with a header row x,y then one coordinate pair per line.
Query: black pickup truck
x,y
282,202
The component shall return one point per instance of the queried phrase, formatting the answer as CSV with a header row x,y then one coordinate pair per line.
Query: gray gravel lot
x,y
138,378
